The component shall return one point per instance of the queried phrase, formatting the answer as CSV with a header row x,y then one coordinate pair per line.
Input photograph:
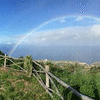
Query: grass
x,y
17,86
85,82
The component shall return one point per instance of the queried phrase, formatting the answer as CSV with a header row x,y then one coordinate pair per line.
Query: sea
x,y
88,54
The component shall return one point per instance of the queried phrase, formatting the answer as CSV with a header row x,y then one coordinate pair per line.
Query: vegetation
x,y
1,53
17,86
20,86
28,64
86,82
1,61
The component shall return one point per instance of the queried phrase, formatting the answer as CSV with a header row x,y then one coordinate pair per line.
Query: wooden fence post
x,y
5,61
47,76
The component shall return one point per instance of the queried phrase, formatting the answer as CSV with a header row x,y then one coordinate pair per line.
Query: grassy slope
x,y
86,82
17,86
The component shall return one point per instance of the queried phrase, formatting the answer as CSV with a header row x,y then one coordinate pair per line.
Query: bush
x,y
95,69
1,97
28,65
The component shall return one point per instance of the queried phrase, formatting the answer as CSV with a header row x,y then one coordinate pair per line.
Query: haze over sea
x,y
88,54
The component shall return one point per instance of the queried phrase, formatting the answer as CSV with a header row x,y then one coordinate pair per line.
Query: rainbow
x,y
46,23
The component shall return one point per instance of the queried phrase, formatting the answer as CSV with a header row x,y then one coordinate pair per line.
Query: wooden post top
x,y
47,67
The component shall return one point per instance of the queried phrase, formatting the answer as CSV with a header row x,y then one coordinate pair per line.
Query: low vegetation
x,y
15,85
86,82
18,86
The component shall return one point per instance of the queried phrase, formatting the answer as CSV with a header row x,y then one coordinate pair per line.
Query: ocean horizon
x,y
88,54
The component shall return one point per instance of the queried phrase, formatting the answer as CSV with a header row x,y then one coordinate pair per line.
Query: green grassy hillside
x,y
85,81
18,86
15,85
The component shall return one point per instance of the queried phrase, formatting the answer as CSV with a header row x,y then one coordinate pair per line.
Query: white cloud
x,y
62,20
79,18
63,36
95,29
43,39
61,31
78,35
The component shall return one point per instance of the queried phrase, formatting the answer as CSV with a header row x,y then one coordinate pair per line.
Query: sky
x,y
50,22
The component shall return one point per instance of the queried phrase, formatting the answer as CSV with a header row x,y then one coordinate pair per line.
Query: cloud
x,y
95,29
76,35
62,20
79,18
61,31
62,37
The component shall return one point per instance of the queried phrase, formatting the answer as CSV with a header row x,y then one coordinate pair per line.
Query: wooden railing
x,y
49,78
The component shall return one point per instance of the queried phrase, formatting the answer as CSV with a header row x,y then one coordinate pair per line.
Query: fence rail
x,y
49,77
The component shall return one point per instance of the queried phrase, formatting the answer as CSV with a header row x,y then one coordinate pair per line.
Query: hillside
x,y
83,78
18,86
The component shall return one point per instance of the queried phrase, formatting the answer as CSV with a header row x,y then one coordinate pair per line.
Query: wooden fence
x,y
49,78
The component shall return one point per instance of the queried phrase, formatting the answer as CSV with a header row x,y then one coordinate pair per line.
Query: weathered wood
x,y
16,58
39,71
58,93
17,65
1,58
47,76
14,64
42,85
15,69
41,82
5,61
83,97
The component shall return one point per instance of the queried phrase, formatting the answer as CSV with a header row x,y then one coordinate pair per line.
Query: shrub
x,y
28,64
1,97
